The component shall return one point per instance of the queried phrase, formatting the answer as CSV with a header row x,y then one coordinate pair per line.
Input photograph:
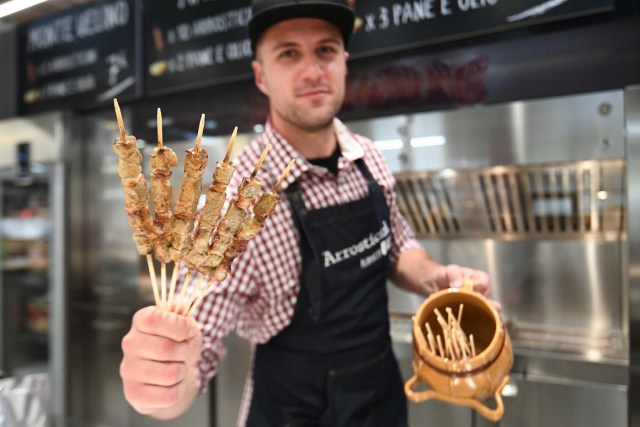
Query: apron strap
x,y
364,170
312,269
374,190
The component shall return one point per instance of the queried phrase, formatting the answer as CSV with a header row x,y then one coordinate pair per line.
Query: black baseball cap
x,y
265,13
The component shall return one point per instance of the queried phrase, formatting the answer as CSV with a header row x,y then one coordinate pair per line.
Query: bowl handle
x,y
490,414
419,396
468,284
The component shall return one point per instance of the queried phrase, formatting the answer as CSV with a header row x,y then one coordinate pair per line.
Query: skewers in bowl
x,y
457,345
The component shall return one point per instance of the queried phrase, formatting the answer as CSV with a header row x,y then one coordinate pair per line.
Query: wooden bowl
x,y
464,382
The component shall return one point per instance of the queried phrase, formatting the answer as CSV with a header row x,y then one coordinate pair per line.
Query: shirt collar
x,y
281,152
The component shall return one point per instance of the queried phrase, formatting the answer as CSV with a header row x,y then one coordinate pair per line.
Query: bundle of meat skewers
x,y
207,242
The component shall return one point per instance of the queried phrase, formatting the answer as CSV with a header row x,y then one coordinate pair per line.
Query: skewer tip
x,y
283,176
260,161
116,106
232,140
159,118
200,131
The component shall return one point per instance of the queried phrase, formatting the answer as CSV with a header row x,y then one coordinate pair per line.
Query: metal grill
x,y
425,199
548,200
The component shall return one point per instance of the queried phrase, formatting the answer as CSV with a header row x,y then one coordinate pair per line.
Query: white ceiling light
x,y
428,141
397,144
14,6
389,144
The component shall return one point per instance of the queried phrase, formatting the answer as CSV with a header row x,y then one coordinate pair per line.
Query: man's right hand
x,y
158,366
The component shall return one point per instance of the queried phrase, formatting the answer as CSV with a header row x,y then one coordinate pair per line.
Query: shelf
x,y
17,229
24,264
34,338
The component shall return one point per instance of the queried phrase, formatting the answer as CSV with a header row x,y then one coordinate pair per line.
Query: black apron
x,y
333,365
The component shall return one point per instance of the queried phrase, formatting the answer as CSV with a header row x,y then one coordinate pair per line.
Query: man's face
x,y
301,66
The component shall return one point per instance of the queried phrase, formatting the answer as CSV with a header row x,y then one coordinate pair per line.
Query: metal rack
x,y
582,199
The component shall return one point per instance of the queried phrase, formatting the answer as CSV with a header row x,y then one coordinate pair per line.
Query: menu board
x,y
195,43
386,25
79,58
192,43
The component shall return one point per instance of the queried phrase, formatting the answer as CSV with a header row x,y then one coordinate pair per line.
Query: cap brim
x,y
339,15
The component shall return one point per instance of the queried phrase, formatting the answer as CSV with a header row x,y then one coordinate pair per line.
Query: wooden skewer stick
x,y
163,285
473,346
123,134
445,331
448,347
450,328
200,131
456,348
159,119
196,294
172,289
457,330
430,336
186,296
259,164
183,291
154,280
201,297
189,296
463,349
449,318
443,323
283,176
464,341
232,140
442,353
460,314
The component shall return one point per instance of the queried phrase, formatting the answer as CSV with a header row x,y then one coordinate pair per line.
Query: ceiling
x,y
41,10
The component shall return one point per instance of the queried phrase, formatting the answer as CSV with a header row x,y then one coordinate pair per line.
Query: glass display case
x,y
25,230
34,198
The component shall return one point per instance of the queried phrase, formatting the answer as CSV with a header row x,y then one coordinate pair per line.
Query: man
x,y
309,292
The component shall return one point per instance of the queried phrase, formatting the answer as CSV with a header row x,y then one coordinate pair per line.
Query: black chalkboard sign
x,y
192,43
386,25
79,58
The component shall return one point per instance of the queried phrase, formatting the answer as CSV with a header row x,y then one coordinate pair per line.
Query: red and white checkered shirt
x,y
259,296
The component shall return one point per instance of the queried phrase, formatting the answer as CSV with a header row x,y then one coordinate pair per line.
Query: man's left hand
x,y
454,276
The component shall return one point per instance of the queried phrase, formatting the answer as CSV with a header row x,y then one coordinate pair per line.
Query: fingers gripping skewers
x,y
170,236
